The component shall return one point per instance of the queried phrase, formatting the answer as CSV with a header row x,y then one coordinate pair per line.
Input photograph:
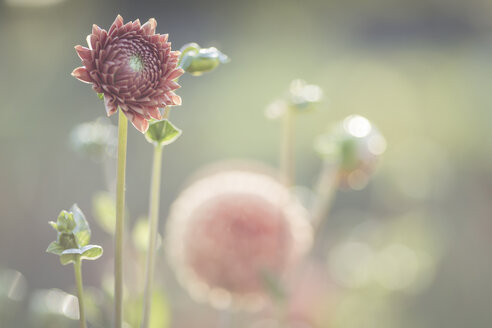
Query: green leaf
x,y
66,258
89,252
100,96
73,238
104,211
55,248
81,231
161,133
54,225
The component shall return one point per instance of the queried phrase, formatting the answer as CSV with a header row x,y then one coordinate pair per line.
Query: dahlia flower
x,y
133,68
230,229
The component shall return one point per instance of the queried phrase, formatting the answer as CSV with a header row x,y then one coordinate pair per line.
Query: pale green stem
x,y
287,160
153,228
325,190
77,268
120,212
165,115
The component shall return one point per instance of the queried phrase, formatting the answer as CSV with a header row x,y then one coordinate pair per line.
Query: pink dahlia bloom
x,y
133,68
229,231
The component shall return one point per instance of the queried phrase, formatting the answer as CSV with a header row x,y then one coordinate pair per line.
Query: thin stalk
x,y
153,228
120,212
77,268
325,190
287,161
165,115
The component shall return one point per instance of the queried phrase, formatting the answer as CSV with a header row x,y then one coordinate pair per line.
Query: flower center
x,y
136,63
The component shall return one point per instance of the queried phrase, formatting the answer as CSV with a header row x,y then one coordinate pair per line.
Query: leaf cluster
x,y
73,237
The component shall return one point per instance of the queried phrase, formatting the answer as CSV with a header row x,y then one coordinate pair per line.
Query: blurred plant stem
x,y
325,190
77,267
120,212
287,160
225,318
153,228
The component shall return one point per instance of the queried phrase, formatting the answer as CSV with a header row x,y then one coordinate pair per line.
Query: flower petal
x,y
81,74
110,105
176,100
96,30
92,41
83,52
149,27
154,112
118,22
138,121
175,74
173,85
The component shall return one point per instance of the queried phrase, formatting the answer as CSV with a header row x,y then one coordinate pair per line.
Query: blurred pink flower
x,y
229,229
312,295
133,68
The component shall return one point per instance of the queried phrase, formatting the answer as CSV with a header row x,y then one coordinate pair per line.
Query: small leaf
x,y
100,96
67,257
81,231
161,133
54,225
73,237
91,252
55,248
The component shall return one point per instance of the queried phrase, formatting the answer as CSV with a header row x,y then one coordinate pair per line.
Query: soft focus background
x,y
412,249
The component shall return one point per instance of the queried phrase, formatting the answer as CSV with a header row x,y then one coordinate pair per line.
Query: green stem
x,y
153,228
77,268
325,190
287,161
165,115
120,212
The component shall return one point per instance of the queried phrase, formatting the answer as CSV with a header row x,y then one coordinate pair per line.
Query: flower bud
x,y
196,60
355,145
303,95
300,96
73,237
